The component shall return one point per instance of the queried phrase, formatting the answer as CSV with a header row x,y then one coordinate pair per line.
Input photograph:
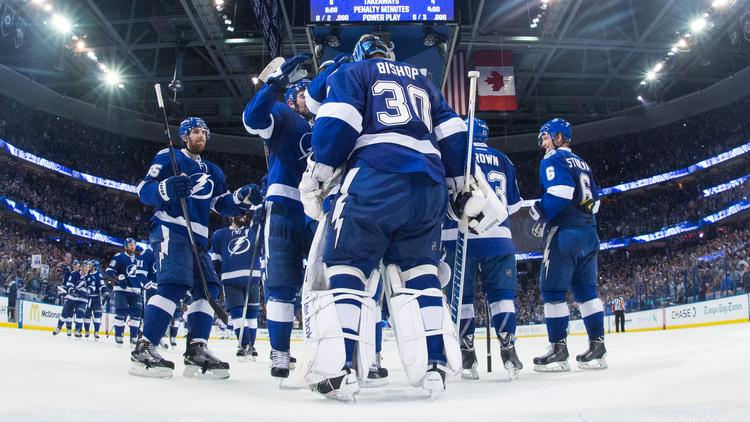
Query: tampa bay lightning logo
x,y
131,270
204,186
239,246
305,145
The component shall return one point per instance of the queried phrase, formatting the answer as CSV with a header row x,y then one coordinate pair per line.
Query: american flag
x,y
456,87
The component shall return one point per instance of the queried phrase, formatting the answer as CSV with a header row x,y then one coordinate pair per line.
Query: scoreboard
x,y
377,11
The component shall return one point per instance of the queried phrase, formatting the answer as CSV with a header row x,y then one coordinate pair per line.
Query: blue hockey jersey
x,y
389,115
287,137
209,193
124,269
317,90
77,287
568,184
146,268
501,175
232,252
95,283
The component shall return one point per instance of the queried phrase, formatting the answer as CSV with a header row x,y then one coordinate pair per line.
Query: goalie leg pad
x,y
324,329
414,322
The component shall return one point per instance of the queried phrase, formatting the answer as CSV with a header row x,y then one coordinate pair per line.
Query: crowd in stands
x,y
19,241
621,159
101,153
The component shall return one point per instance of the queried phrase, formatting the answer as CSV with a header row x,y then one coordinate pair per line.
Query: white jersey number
x,y
502,187
399,112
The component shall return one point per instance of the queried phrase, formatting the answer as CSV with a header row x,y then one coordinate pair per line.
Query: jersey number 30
x,y
399,113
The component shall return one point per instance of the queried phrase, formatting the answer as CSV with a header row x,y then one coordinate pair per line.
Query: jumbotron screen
x,y
342,11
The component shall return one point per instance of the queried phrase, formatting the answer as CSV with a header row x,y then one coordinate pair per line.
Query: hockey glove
x,y
259,215
175,188
280,79
150,285
540,221
317,182
481,205
248,196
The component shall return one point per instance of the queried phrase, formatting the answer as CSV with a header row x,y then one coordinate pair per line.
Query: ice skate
x,y
434,380
595,356
87,334
173,341
56,332
133,342
511,363
468,358
555,360
342,387
377,376
96,336
163,343
118,341
280,364
78,334
146,362
201,363
244,353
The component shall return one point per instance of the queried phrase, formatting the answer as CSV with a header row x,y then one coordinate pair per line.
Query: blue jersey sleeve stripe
x,y
423,146
344,112
263,133
449,127
561,191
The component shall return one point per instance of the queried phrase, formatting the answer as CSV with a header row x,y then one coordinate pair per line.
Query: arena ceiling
x,y
585,59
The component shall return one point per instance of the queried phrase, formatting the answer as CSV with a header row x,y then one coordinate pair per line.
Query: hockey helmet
x,y
189,124
555,126
481,131
295,88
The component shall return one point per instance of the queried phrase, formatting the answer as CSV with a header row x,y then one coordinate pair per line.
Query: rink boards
x,y
729,310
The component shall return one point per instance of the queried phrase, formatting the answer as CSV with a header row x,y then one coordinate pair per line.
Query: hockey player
x,y
390,127
95,283
493,255
76,298
174,326
123,272
202,186
232,252
565,218
66,315
146,272
286,131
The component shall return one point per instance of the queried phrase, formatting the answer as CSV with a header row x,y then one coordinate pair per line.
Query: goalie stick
x,y
463,226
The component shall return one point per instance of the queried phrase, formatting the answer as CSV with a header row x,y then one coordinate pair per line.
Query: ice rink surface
x,y
696,374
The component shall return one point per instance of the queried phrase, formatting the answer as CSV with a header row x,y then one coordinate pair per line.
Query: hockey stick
x,y
249,281
489,330
463,226
218,309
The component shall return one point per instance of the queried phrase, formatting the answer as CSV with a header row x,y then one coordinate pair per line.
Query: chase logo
x,y
204,186
239,246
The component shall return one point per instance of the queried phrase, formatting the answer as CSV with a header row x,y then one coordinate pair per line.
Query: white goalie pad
x,y
409,326
315,278
323,326
323,329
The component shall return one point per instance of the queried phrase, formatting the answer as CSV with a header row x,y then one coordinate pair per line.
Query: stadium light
x,y
718,4
47,7
61,24
698,24
640,98
651,75
80,45
255,80
112,78
659,66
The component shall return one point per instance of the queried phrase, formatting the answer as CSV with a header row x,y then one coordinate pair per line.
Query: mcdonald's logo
x,y
35,312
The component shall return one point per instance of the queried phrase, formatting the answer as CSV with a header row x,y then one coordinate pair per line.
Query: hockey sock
x,y
160,309
349,310
97,324
119,326
502,310
134,323
173,329
237,322
592,309
60,323
468,324
200,315
378,336
431,308
280,314
87,325
252,322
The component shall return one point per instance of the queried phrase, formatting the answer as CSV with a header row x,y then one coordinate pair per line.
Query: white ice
x,y
696,374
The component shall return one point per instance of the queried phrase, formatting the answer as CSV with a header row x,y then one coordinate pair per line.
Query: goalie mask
x,y
368,45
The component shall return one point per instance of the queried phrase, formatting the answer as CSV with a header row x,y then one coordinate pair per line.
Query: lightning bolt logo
x,y
238,246
203,180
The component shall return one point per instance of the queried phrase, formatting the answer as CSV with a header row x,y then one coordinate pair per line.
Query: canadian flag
x,y
496,86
